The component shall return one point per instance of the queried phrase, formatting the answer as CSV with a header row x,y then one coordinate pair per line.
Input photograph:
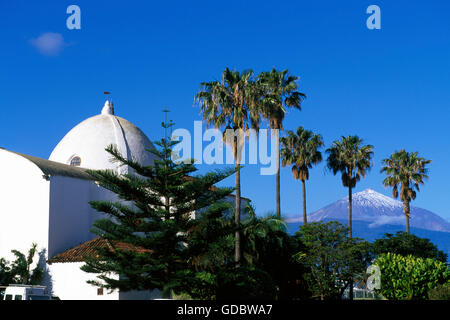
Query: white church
x,y
47,201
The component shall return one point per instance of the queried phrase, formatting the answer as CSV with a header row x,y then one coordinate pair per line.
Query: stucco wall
x,y
71,216
69,283
24,205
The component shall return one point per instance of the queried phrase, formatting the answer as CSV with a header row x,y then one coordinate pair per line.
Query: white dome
x,y
85,144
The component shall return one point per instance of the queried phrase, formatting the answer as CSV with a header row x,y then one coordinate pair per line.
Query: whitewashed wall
x,y
71,216
69,283
24,205
55,213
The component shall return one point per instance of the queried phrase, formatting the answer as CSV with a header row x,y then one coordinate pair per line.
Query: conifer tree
x,y
154,215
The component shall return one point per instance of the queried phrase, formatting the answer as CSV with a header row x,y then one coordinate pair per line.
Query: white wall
x,y
69,213
57,216
54,213
24,205
71,216
69,283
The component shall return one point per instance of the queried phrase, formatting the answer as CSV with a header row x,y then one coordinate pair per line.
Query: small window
x,y
8,297
75,162
18,297
100,291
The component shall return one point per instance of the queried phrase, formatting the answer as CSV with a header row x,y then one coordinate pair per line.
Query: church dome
x,y
84,145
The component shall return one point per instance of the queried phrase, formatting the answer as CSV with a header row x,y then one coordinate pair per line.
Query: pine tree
x,y
154,215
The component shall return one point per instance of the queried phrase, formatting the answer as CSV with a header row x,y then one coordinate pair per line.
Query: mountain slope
x,y
378,210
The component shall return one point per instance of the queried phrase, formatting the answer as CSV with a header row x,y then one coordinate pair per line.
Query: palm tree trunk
x,y
237,213
304,201
350,212
350,293
406,211
277,145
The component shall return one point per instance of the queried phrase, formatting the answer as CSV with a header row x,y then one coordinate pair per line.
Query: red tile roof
x,y
88,250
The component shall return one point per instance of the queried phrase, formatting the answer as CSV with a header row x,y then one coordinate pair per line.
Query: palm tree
x,y
261,234
230,104
279,91
301,150
405,170
352,159
21,267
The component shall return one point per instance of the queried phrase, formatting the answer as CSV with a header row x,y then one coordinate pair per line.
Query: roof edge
x,y
53,168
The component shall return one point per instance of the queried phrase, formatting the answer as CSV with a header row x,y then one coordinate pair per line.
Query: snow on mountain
x,y
378,209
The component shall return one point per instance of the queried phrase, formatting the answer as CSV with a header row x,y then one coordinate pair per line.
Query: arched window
x,y
75,161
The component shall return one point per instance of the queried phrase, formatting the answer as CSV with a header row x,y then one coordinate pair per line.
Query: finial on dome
x,y
108,108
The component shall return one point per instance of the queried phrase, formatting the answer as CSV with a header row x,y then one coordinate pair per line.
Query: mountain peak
x,y
368,190
371,198
371,206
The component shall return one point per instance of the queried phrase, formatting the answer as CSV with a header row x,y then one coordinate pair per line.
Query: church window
x,y
75,162
100,291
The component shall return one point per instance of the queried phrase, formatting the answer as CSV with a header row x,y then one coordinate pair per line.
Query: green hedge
x,y
441,292
407,278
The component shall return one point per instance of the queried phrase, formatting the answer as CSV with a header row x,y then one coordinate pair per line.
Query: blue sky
x,y
389,86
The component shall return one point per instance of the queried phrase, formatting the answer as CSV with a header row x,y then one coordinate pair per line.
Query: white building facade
x,y
47,201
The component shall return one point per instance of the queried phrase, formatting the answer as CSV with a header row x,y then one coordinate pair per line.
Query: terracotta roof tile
x,y
88,250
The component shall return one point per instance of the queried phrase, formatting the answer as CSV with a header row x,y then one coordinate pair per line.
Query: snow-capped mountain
x,y
377,209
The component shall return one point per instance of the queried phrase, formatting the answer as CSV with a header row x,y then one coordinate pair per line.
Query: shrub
x,y
408,244
333,259
408,277
245,283
441,292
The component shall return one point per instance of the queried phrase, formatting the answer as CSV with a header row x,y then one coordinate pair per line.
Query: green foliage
x,y
333,259
351,158
261,235
277,92
19,271
267,249
405,171
408,277
195,261
405,244
155,213
6,276
231,103
440,292
229,282
301,150
245,282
